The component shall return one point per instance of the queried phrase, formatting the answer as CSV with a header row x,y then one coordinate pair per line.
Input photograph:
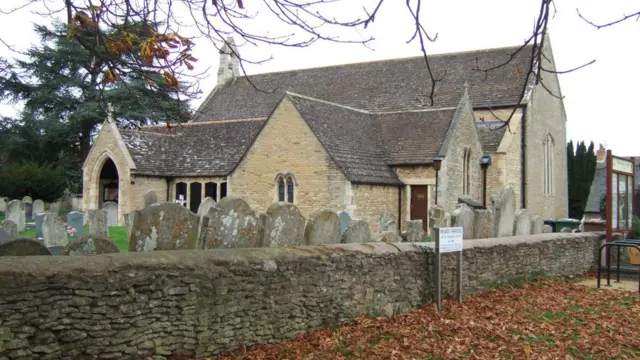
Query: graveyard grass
x,y
540,319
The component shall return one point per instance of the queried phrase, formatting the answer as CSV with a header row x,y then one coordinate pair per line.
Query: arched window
x,y
466,172
285,188
547,163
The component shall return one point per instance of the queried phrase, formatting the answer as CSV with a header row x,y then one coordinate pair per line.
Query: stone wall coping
x,y
51,266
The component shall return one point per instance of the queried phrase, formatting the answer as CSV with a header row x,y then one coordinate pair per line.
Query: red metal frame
x,y
609,194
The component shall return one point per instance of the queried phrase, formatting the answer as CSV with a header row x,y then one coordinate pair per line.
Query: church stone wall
x,y
513,164
143,184
546,115
496,173
287,145
372,200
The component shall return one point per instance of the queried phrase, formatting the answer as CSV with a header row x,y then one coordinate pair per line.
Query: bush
x,y
43,182
635,228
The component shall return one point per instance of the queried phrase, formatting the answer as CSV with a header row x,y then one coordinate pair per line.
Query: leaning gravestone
x,y
90,245
75,220
504,212
546,229
323,227
23,247
357,232
283,226
537,224
5,237
163,226
345,219
232,224
112,213
15,213
98,222
38,207
483,224
389,237
387,222
39,219
522,224
11,228
150,198
203,210
414,231
53,230
464,217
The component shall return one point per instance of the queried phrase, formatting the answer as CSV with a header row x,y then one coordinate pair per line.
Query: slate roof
x,y
379,86
192,149
490,135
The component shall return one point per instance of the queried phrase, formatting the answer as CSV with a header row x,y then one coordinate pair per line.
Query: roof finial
x,y
466,86
109,112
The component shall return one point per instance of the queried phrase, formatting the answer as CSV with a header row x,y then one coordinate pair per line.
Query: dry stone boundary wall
x,y
203,302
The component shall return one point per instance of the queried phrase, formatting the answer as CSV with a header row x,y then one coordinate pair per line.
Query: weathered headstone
x,y
5,237
28,207
39,219
203,211
11,228
414,231
358,231
3,204
504,212
112,213
129,219
15,213
163,226
388,237
537,223
23,247
283,226
323,227
438,218
98,222
232,224
75,220
55,249
387,222
546,229
150,198
464,217
522,223
345,219
483,224
27,199
38,207
89,245
53,230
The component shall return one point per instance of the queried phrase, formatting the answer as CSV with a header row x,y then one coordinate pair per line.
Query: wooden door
x,y
420,204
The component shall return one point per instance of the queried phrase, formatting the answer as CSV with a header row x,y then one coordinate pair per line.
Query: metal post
x,y
459,287
618,266
436,200
438,279
484,187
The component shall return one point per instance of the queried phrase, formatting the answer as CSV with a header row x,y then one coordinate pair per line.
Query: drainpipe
x,y
523,148
399,208
485,161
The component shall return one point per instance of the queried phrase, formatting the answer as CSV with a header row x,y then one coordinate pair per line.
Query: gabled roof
x,y
379,86
192,149
490,134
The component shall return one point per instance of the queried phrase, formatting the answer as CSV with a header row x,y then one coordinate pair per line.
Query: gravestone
x,y
129,219
387,222
39,219
27,199
90,245
522,224
546,229
345,219
388,237
537,222
54,207
413,231
5,237
112,213
15,213
483,224
203,211
163,226
28,207
3,204
11,228
150,198
504,212
75,220
464,217
98,222
232,224
357,232
283,226
53,230
438,218
23,247
323,227
565,230
55,249
38,207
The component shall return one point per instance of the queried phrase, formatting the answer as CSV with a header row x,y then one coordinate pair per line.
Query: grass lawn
x,y
543,319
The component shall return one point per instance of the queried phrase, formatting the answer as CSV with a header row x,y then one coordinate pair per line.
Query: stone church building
x,y
363,138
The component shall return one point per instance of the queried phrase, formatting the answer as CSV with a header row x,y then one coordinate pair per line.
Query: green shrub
x,y
43,182
635,228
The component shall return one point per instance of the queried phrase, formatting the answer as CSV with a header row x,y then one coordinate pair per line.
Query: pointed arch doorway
x,y
109,183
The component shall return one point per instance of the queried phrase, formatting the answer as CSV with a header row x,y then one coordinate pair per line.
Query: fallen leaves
x,y
545,319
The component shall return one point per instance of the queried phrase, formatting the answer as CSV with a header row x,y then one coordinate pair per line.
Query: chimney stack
x,y
229,67
601,154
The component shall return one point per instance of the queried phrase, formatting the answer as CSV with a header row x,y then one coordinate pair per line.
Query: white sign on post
x,y
451,239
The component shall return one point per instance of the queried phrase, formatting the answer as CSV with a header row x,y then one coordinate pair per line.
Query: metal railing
x,y
618,244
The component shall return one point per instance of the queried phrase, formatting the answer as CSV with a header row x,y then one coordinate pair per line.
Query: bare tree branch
x,y
624,18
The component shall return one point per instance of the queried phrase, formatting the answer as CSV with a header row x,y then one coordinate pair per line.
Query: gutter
x,y
523,152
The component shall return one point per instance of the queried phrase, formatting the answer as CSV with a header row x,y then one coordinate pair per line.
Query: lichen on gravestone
x,y
322,228
387,222
414,231
23,247
284,225
522,223
357,232
91,244
232,224
464,217
163,226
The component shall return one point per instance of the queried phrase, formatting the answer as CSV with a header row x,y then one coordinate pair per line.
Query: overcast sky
x,y
599,99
